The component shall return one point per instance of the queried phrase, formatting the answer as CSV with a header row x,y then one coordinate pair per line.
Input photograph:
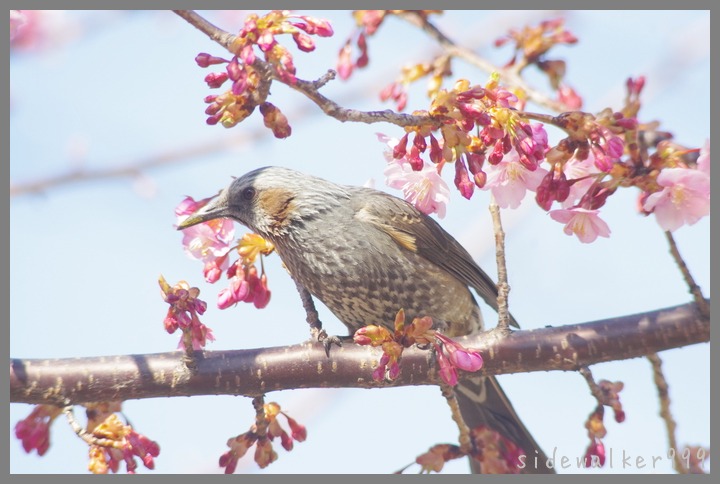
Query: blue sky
x,y
85,257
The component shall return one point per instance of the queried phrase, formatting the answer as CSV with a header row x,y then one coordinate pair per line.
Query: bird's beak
x,y
216,208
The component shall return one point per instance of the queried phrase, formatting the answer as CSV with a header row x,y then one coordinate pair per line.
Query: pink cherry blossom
x,y
447,371
17,20
703,161
575,169
206,241
424,188
584,223
685,197
510,179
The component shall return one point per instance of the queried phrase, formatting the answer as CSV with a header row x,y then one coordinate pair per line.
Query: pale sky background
x,y
85,257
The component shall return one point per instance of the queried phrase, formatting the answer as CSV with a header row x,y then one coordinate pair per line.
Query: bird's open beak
x,y
216,208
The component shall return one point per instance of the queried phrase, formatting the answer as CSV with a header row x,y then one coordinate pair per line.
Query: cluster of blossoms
x,y
184,314
112,442
492,147
34,430
484,136
595,453
484,133
264,453
396,91
451,355
212,243
249,79
496,453
368,22
117,442
530,46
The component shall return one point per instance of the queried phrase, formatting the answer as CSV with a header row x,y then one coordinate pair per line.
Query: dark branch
x,y
693,287
256,371
215,33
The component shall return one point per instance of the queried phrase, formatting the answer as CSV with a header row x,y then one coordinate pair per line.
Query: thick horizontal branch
x,y
256,371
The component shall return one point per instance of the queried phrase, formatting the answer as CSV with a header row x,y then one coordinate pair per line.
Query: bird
x,y
366,254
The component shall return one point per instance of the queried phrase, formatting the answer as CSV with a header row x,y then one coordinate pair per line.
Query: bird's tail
x,y
483,403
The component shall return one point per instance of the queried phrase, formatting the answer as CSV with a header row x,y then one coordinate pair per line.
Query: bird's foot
x,y
327,340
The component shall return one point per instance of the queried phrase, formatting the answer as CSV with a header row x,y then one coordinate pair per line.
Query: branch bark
x,y
253,372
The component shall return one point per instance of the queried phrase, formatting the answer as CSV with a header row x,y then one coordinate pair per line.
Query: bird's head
x,y
268,200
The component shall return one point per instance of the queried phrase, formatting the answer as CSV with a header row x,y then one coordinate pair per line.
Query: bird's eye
x,y
248,194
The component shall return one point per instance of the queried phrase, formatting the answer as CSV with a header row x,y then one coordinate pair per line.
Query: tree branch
x,y
331,108
693,287
664,396
253,372
311,89
215,33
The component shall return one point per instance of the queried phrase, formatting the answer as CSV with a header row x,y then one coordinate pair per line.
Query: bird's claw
x,y
328,340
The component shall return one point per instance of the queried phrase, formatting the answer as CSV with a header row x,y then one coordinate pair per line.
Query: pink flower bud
x,y
247,54
204,60
394,371
401,100
435,150
345,65
497,153
400,148
299,432
420,143
568,96
462,181
225,298
363,59
170,322
216,79
234,70
416,163
315,26
266,41
447,370
304,42
465,359
286,441
262,293
595,449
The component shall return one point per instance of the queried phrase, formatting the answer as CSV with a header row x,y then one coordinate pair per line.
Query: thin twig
x,y
215,33
134,169
664,397
472,58
261,421
464,438
694,289
86,436
503,286
592,384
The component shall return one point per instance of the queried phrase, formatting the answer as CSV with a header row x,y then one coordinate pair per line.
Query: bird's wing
x,y
416,232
